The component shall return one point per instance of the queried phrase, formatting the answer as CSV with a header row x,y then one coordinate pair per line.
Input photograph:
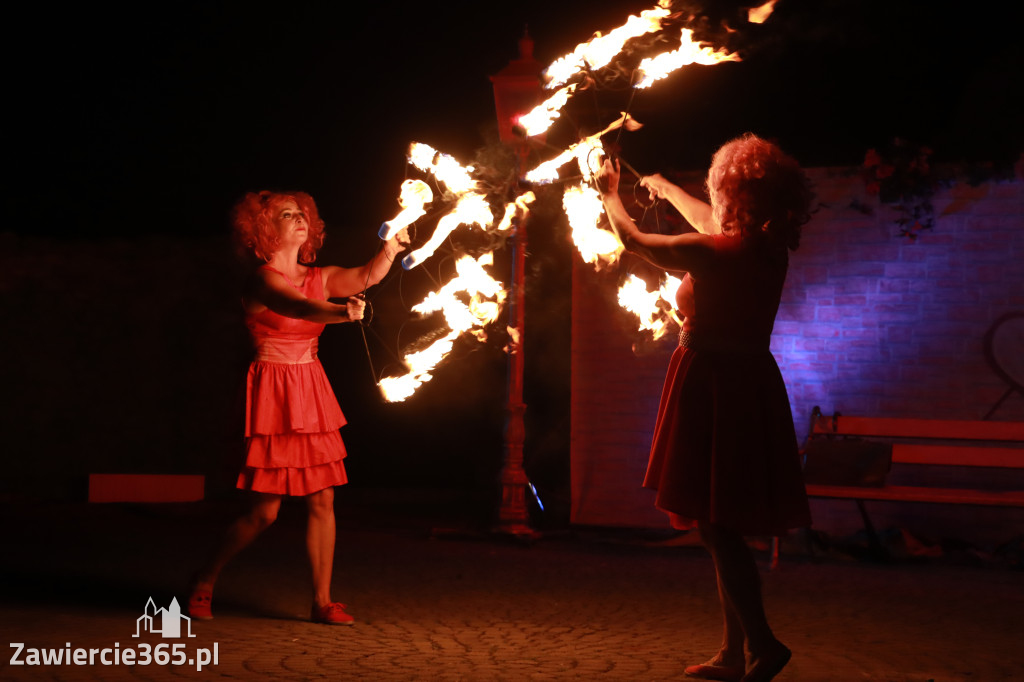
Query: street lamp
x,y
517,89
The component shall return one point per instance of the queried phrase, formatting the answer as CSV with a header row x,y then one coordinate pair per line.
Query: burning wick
x,y
486,297
758,15
587,152
414,195
689,52
601,49
472,209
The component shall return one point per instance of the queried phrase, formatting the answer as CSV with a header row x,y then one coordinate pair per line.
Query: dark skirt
x,y
725,450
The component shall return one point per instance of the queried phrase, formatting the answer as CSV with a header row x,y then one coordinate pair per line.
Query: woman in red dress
x,y
292,416
724,456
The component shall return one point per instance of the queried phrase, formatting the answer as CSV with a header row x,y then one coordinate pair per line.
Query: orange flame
x,y
446,169
587,152
517,208
591,55
472,209
689,52
758,15
601,49
654,309
582,204
584,209
544,114
486,296
414,195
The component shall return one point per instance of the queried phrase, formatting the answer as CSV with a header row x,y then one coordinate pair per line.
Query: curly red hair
x,y
755,188
254,223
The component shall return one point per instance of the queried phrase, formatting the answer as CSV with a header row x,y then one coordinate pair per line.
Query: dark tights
x,y
739,589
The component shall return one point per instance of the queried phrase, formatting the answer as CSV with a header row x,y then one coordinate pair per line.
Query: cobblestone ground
x,y
579,605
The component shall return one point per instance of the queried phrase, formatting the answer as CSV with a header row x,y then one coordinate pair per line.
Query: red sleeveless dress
x,y
724,449
292,416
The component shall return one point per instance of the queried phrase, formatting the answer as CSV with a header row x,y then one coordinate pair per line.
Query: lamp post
x,y
517,90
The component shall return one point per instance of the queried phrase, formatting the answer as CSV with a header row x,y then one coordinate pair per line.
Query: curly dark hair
x,y
755,188
254,223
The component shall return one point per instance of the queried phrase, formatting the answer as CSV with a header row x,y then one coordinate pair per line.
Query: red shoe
x,y
199,605
724,673
331,614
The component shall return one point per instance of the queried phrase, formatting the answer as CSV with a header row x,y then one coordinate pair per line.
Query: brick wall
x,y
874,324
870,323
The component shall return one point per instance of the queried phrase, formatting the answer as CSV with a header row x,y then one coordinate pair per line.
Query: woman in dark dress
x,y
724,457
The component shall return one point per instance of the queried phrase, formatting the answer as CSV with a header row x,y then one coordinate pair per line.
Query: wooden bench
x,y
928,442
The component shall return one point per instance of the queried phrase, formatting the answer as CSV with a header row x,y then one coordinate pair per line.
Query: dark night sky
x,y
156,118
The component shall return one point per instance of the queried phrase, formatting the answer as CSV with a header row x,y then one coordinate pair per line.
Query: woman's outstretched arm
x,y
696,212
344,282
680,252
269,289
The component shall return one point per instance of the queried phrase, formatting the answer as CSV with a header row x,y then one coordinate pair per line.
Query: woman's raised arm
x,y
678,252
696,212
344,282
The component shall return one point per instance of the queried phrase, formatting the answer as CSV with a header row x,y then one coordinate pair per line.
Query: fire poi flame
x,y
582,204
689,52
544,114
759,15
518,207
587,152
471,206
457,178
584,209
594,54
473,299
485,298
472,209
601,49
415,194
654,309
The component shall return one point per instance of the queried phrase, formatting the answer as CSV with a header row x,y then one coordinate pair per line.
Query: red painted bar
x,y
146,488
922,428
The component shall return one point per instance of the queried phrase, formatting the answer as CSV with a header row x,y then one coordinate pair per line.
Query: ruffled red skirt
x,y
724,449
291,430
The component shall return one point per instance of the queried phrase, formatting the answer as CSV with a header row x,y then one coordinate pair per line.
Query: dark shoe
x,y
724,673
199,605
766,668
331,614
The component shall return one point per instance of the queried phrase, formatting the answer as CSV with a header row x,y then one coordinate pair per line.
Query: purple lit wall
x,y
870,324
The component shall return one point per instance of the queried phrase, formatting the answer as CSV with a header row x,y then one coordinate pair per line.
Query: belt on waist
x,y
287,351
708,343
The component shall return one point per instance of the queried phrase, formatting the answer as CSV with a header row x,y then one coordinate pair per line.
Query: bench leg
x,y
875,549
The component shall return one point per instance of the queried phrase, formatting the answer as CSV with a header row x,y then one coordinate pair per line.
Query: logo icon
x,y
167,622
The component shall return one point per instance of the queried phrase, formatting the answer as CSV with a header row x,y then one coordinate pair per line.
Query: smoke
x,y
725,23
